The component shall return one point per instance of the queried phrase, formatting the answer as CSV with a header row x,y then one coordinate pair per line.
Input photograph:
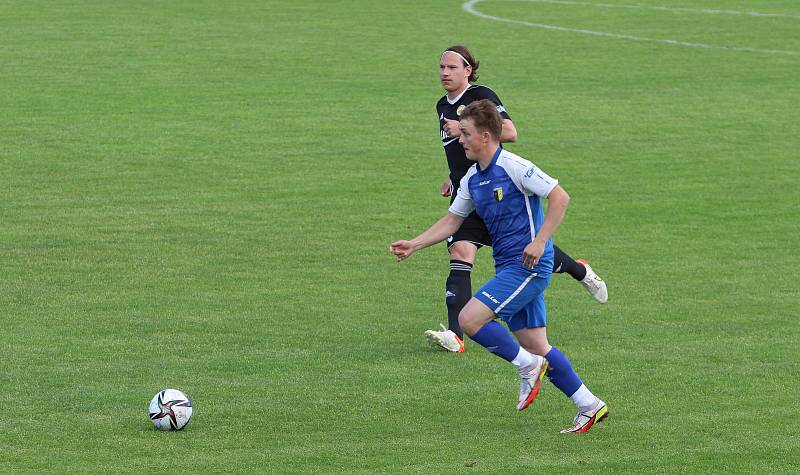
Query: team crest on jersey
x,y
460,109
498,194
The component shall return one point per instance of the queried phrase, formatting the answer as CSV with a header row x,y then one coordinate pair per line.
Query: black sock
x,y
563,263
458,293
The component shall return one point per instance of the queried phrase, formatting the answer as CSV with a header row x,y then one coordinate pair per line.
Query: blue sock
x,y
494,337
561,373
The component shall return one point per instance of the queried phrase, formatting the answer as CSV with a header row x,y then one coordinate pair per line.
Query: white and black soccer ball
x,y
170,409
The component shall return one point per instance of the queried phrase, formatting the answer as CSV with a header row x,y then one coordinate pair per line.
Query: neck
x,y
452,95
486,159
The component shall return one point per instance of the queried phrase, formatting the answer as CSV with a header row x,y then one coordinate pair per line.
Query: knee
x,y
468,323
462,320
534,341
463,251
540,349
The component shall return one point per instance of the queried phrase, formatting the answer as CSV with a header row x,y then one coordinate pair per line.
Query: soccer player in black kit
x,y
457,71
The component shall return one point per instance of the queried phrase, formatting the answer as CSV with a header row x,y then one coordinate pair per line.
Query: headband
x,y
466,63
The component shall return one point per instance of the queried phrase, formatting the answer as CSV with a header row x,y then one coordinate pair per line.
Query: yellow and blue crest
x,y
498,194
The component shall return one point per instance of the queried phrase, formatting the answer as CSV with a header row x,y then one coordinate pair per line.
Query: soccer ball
x,y
170,409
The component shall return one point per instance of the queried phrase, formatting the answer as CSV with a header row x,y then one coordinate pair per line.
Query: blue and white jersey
x,y
507,196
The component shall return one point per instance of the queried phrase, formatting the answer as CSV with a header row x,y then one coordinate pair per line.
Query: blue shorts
x,y
517,296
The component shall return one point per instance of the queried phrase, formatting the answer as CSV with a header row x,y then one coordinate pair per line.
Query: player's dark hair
x,y
485,117
466,54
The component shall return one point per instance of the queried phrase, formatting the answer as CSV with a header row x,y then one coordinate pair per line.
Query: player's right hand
x,y
402,249
447,187
452,128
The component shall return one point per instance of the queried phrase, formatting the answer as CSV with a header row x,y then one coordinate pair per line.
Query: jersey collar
x,y
458,98
494,160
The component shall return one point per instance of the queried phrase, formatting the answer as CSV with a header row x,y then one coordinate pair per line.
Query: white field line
x,y
469,7
667,9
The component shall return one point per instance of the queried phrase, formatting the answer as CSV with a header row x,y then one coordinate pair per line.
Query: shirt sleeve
x,y
527,176
484,92
462,204
537,182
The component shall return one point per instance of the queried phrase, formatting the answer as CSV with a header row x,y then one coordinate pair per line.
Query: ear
x,y
468,69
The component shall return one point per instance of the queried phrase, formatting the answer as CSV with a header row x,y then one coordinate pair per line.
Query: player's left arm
x,y
532,180
509,132
558,199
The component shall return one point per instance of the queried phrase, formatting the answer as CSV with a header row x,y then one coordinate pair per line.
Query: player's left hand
x,y
402,249
532,253
452,128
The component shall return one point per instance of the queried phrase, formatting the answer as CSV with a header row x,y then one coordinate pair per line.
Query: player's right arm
x,y
447,187
460,208
507,134
440,231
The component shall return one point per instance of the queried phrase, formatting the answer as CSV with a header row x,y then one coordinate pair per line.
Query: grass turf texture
x,y
200,195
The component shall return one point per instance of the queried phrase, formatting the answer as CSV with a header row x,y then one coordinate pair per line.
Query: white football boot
x,y
593,283
585,420
445,340
530,381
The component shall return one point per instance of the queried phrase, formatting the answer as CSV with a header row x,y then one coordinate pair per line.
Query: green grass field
x,y
200,195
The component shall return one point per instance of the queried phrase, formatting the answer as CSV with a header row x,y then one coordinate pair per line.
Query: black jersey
x,y
456,158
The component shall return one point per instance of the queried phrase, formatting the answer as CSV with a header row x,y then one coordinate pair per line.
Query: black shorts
x,y
472,230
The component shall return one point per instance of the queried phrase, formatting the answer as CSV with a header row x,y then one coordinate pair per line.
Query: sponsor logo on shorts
x,y
489,296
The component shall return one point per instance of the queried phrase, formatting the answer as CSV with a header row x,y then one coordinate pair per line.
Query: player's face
x,y
471,139
452,72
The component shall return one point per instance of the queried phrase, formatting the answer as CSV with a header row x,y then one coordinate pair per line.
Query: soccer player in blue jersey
x,y
506,191
457,72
